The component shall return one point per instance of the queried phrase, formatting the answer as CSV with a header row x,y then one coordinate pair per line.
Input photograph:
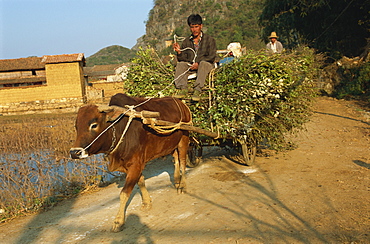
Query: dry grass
x,y
36,170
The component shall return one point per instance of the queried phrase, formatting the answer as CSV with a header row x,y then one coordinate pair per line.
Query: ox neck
x,y
130,118
114,138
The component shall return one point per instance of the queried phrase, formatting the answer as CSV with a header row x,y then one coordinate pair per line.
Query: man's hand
x,y
194,66
176,48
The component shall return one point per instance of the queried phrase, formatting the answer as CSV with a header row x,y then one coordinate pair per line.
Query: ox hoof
x,y
181,190
146,207
180,187
117,227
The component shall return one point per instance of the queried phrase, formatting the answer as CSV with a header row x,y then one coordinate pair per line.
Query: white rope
x,y
178,38
130,108
123,133
178,77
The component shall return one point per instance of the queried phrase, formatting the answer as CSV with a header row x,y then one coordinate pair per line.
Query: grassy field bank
x,y
36,170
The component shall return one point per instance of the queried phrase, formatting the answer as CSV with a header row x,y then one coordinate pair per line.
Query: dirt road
x,y
317,193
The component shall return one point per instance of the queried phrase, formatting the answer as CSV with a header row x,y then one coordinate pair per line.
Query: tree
x,y
335,27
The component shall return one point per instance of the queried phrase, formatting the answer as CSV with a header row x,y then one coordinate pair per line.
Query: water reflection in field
x,y
28,181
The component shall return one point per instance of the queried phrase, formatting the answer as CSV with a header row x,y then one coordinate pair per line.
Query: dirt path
x,y
317,193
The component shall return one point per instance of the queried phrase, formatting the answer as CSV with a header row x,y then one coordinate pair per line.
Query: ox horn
x,y
113,112
107,109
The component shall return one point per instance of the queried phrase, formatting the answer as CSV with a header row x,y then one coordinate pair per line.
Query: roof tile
x,y
64,58
31,63
35,63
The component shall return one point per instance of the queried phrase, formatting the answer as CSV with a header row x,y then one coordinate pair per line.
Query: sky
x,y
53,27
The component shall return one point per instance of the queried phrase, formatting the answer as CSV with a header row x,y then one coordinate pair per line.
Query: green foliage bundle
x,y
254,98
261,98
149,76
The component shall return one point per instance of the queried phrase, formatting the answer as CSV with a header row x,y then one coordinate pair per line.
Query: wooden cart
x,y
248,150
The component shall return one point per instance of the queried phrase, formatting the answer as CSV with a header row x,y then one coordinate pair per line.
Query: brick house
x,y
107,79
37,83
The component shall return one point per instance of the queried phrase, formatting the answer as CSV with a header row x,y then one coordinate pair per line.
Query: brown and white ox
x,y
139,145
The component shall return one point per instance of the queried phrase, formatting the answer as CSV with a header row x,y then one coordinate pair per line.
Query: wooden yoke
x,y
129,112
150,118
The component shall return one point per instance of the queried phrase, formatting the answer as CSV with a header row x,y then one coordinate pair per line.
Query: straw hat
x,y
273,35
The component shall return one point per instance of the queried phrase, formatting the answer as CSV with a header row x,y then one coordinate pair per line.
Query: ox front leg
x,y
119,221
132,177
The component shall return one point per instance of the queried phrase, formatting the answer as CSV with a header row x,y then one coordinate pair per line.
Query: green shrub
x,y
355,82
148,75
261,98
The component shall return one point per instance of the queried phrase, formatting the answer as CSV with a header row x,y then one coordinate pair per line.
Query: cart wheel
x,y
249,153
194,157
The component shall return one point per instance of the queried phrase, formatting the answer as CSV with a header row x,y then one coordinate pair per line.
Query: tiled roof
x,y
35,63
100,71
64,58
32,63
105,67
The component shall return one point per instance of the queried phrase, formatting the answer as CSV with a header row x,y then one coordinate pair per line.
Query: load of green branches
x,y
257,97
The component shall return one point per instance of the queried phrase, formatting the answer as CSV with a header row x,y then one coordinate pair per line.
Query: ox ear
x,y
112,112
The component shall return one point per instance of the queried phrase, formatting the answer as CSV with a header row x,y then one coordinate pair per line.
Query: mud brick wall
x,y
65,84
41,105
108,88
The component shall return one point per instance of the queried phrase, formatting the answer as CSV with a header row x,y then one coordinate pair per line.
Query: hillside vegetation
x,y
111,55
334,28
227,21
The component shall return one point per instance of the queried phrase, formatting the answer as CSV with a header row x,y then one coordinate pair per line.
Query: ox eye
x,y
93,126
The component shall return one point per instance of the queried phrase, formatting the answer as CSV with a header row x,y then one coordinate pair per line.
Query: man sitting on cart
x,y
196,54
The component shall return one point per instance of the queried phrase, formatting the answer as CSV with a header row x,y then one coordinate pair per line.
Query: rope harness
x,y
152,124
166,129
123,134
105,130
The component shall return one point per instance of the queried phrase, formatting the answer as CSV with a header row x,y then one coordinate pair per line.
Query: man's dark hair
x,y
194,19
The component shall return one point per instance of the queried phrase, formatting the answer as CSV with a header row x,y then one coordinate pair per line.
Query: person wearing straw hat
x,y
274,46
